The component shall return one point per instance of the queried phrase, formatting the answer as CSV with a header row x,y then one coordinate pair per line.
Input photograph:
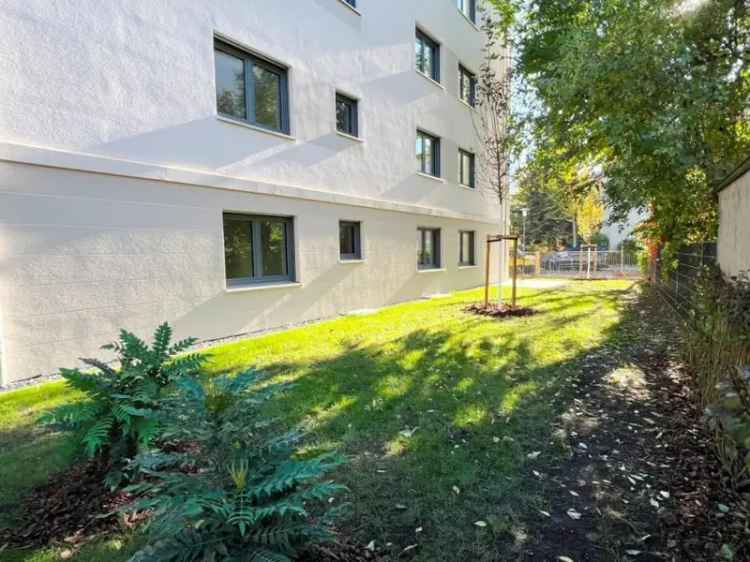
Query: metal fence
x,y
677,276
590,263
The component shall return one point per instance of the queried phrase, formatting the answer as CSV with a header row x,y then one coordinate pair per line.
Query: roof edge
x,y
738,172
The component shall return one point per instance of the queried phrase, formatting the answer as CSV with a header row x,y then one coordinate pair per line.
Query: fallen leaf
x,y
371,546
534,455
573,514
480,523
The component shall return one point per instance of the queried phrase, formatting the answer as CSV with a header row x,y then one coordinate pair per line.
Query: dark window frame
x,y
356,240
463,75
436,146
472,168
462,6
353,114
255,239
472,258
424,42
352,3
250,60
436,262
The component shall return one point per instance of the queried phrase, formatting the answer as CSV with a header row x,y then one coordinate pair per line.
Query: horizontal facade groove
x,y
14,153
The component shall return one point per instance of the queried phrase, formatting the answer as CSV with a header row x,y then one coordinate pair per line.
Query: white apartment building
x,y
230,166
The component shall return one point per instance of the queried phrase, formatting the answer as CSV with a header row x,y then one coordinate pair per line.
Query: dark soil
x,y
641,481
499,310
341,551
67,510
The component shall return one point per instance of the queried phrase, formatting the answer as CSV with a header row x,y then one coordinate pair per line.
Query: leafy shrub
x,y
224,491
120,414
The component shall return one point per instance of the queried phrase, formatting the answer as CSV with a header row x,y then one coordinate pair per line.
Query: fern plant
x,y
237,494
120,414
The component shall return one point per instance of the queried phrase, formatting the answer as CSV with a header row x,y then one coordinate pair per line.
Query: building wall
x,y
115,168
734,226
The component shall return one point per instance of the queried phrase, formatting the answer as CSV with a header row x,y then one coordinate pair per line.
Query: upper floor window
x,y
250,88
352,3
258,249
346,115
428,154
468,8
428,56
466,168
467,86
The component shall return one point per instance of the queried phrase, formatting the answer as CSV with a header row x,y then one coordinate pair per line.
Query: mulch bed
x,y
641,481
66,510
341,551
499,310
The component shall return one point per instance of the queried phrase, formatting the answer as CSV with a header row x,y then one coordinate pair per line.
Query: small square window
x,y
428,255
467,86
428,56
466,248
428,154
350,240
347,119
466,168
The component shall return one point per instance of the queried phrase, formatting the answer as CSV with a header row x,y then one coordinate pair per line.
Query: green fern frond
x,y
98,364
162,337
182,345
97,435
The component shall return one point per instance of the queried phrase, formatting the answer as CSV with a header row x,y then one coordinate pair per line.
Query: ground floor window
x,y
466,248
258,249
350,242
428,240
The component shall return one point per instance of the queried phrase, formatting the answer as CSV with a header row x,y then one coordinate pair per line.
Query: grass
x,y
437,410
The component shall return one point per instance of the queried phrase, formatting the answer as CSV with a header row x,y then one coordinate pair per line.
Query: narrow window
x,y
346,115
350,240
428,56
468,8
466,168
258,249
428,240
251,89
352,3
466,249
428,154
467,86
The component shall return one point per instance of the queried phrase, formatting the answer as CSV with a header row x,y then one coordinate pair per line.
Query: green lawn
x,y
437,410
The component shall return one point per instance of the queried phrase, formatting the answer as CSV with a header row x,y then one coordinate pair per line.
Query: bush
x,y
120,414
224,491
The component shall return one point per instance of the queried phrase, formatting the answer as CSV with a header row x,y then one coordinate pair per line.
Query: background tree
x,y
590,215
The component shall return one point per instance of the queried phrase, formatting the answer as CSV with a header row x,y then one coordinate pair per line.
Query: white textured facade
x,y
116,169
734,224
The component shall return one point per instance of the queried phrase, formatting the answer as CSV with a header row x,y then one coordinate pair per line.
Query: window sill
x,y
352,8
467,187
468,20
255,128
429,177
351,262
467,104
348,136
262,287
468,266
430,80
432,270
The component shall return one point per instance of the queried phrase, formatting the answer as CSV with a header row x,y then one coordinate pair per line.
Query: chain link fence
x,y
677,274
591,263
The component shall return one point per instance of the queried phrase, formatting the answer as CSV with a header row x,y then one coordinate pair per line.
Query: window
x,y
251,89
350,240
258,249
467,86
352,3
428,154
428,56
466,168
346,115
468,8
428,240
466,248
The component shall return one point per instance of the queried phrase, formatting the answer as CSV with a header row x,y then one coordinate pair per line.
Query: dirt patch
x,y
341,550
499,310
640,481
68,509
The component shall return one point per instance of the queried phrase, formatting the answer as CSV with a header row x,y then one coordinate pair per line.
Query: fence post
x,y
588,263
538,264
622,260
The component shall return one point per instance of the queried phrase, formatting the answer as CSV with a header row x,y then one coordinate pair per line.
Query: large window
x,y
251,89
468,8
258,249
428,56
428,154
466,168
428,240
350,241
467,86
466,248
347,121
